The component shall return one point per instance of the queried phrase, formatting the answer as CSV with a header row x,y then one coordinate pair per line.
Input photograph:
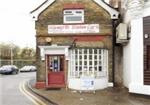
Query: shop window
x,y
88,62
74,16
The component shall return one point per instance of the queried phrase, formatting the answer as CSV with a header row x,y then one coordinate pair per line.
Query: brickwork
x,y
94,14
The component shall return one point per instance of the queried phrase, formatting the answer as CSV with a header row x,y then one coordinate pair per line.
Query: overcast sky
x,y
16,24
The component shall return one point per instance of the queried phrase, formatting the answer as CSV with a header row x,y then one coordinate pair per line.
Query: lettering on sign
x,y
71,29
87,83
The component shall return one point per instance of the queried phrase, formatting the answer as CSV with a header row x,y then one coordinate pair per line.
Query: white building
x,y
136,53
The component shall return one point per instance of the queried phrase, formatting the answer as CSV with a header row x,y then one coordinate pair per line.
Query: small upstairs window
x,y
74,16
73,13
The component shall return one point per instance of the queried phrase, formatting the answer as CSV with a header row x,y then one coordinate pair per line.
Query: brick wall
x,y
94,14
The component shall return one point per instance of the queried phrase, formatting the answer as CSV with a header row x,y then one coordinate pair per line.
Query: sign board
x,y
71,29
87,83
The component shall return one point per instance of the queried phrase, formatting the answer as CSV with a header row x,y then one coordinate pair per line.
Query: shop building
x,y
74,44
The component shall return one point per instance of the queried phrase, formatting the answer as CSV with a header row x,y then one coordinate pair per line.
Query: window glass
x,y
85,62
68,11
74,16
55,63
85,51
90,57
85,56
79,12
90,51
95,51
89,62
80,57
95,56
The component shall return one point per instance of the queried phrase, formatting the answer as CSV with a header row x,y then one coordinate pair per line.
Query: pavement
x,y
109,96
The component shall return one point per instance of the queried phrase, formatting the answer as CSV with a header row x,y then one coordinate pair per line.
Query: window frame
x,y
77,69
73,13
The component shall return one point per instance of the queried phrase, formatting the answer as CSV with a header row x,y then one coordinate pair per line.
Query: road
x,y
12,91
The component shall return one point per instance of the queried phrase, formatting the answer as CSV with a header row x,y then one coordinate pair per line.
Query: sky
x,y
16,24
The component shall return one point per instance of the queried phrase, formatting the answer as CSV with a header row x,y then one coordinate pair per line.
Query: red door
x,y
56,76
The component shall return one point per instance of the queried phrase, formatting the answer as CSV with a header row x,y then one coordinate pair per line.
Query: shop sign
x,y
71,29
87,83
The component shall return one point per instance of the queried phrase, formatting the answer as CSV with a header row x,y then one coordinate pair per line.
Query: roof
x,y
35,13
38,6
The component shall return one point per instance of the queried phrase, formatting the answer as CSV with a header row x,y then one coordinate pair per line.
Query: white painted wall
x,y
127,55
137,51
133,60
75,83
146,11
133,56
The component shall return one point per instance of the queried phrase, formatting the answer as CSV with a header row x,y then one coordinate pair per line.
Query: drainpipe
x,y
113,50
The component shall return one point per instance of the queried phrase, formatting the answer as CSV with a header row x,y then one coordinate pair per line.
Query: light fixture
x,y
48,40
146,36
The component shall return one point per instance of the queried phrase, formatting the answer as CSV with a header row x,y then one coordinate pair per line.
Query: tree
x,y
5,50
27,53
13,54
17,52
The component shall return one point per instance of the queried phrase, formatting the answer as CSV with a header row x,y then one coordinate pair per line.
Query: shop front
x,y
79,68
88,67
74,44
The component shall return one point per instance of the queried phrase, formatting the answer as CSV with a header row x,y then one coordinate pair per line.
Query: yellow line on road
x,y
30,96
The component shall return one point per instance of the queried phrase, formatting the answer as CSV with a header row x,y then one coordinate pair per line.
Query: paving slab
x,y
109,96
